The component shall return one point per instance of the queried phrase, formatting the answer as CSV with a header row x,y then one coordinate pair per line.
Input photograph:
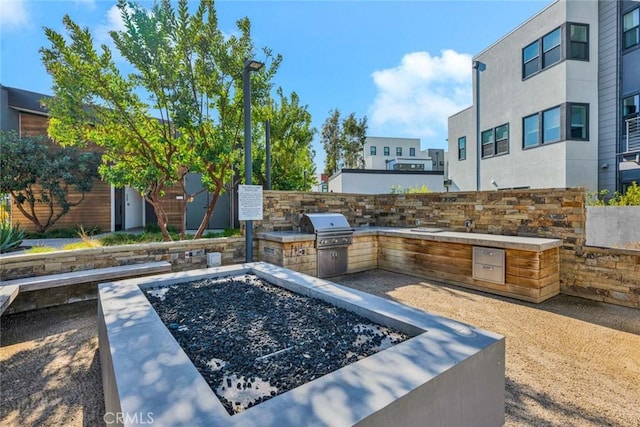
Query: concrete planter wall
x,y
613,226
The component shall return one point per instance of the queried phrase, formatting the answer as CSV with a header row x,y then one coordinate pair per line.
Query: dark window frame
x,y
497,141
529,61
636,103
524,135
548,51
635,29
412,151
571,42
568,130
372,150
386,151
462,148
494,142
565,125
560,127
563,48
398,151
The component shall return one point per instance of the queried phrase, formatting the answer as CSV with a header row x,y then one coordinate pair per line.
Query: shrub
x,y
631,197
10,237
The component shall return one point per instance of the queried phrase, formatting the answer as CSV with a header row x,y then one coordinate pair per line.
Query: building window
x,y
567,121
373,150
530,59
551,125
398,151
412,152
630,106
462,148
385,151
502,139
631,28
578,121
531,130
495,141
551,48
487,143
578,42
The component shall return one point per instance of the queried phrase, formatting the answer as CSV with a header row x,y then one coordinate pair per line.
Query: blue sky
x,y
405,65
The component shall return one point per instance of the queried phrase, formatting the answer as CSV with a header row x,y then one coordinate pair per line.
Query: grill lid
x,y
324,222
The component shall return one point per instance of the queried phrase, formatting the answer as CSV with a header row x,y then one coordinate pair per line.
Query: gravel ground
x,y
570,361
251,340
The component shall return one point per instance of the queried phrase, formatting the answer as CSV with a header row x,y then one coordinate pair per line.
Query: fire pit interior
x,y
252,340
440,372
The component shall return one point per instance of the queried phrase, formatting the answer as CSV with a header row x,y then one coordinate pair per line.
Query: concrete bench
x,y
7,295
9,289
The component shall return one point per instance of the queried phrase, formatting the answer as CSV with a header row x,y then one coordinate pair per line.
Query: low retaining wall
x,y
183,255
602,274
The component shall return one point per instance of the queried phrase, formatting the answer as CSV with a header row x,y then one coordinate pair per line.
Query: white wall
x,y
379,160
380,183
506,98
134,213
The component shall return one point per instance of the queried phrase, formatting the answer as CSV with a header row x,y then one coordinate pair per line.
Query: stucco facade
x,y
558,79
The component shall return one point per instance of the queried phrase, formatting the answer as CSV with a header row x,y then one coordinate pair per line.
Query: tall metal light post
x,y
479,67
249,65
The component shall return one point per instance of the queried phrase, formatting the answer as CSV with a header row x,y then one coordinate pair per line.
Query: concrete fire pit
x,y
447,374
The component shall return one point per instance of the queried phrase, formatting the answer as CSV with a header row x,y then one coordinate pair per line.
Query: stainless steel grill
x,y
333,238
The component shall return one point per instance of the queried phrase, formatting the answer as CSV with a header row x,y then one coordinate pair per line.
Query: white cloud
x,y
416,97
13,15
113,22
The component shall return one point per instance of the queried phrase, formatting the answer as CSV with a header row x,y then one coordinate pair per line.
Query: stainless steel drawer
x,y
490,256
490,273
488,264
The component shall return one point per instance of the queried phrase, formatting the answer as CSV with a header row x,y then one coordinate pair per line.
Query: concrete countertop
x,y
536,244
285,236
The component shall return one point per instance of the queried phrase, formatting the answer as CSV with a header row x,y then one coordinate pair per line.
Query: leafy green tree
x,y
343,142
179,111
291,145
354,136
36,172
331,138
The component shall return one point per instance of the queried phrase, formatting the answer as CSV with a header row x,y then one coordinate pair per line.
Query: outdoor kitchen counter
x,y
526,268
536,244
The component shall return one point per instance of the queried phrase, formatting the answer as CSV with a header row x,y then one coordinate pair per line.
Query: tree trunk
x,y
209,212
160,214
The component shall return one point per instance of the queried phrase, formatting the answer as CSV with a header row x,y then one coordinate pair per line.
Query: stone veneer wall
x,y
603,274
610,275
183,255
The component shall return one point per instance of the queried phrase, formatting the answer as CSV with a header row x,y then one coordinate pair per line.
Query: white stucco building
x,y
552,102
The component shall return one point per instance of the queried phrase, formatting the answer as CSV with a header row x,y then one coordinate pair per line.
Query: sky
x,y
404,65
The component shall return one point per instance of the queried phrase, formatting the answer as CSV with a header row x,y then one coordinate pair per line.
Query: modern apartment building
x,y
555,103
401,154
396,163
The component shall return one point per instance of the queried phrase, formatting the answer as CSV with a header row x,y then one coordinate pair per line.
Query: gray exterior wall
x,y
462,173
8,117
505,97
629,85
608,131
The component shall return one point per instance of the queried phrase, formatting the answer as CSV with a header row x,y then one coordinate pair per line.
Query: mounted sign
x,y
250,203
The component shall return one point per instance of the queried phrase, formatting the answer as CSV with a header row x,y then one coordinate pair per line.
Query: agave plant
x,y
10,237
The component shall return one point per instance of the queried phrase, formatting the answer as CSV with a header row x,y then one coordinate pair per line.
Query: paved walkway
x,y
569,362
